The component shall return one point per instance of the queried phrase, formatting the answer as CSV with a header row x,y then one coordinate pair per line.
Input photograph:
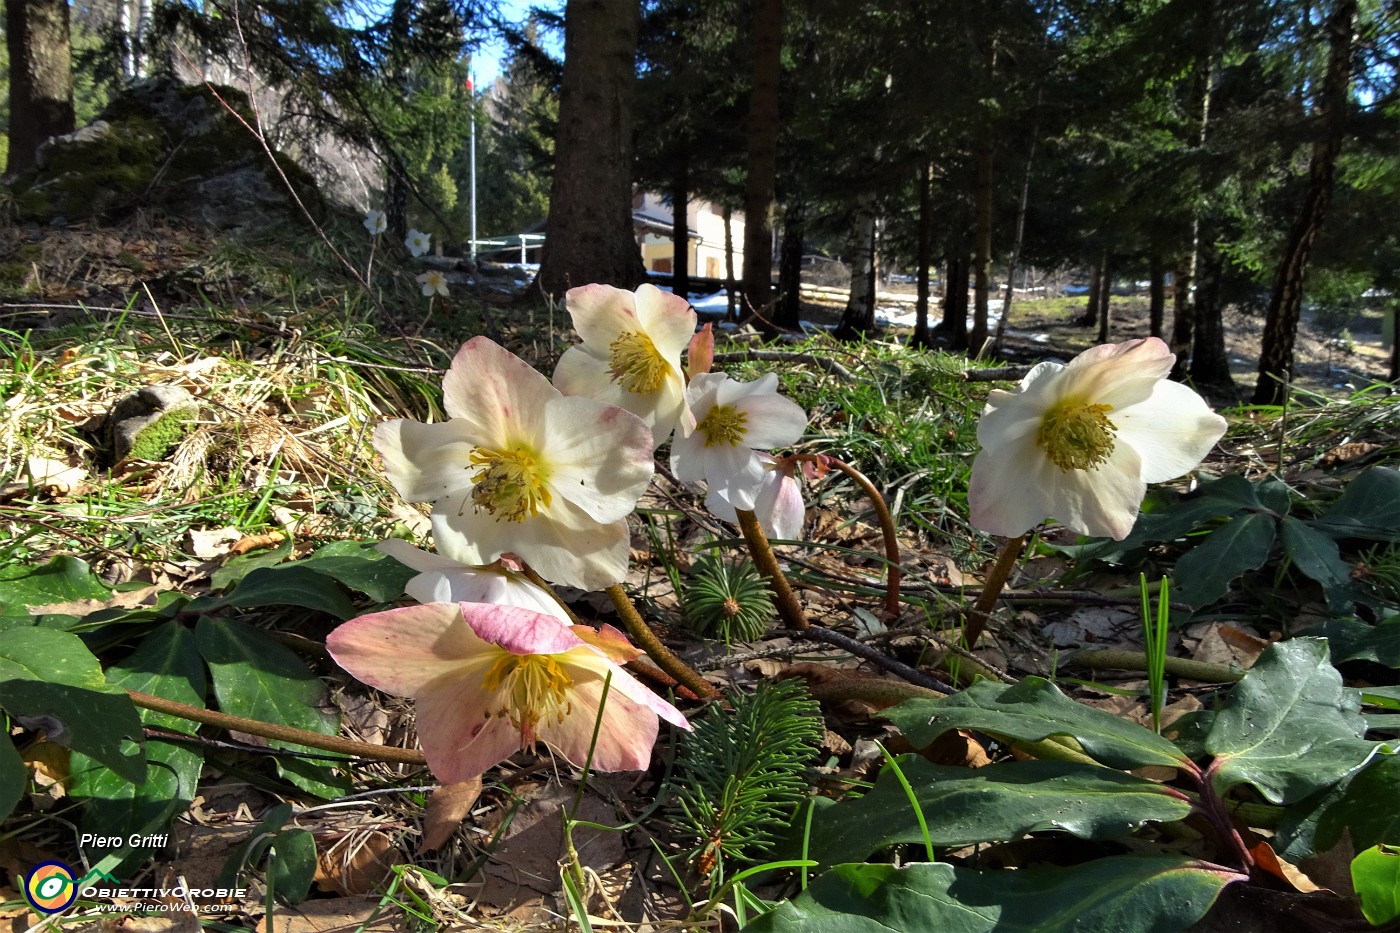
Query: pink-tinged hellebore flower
x,y
433,282
732,421
376,223
1081,442
489,680
778,505
444,580
631,353
521,468
417,242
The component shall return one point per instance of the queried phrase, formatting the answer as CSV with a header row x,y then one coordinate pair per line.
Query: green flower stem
x,y
767,563
991,589
330,743
1116,660
643,635
892,570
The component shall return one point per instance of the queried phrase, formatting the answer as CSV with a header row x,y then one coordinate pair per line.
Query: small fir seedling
x,y
742,774
728,600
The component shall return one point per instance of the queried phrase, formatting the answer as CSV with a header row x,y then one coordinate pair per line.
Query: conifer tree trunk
x,y
1209,363
761,180
588,236
1156,294
1281,324
1105,296
41,76
731,287
953,327
859,317
789,314
982,262
680,228
925,257
1091,308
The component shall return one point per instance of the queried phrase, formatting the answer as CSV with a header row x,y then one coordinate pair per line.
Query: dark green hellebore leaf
x,y
1204,573
1125,894
1031,710
1289,727
991,804
1368,508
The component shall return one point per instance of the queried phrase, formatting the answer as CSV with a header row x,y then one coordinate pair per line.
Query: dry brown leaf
x,y
1347,453
253,542
1267,860
358,864
209,543
448,806
132,599
48,766
957,748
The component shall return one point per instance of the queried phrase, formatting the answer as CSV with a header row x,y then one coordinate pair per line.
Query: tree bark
x,y
1281,323
1091,307
789,314
588,236
925,257
1156,294
41,76
859,317
1105,296
1209,363
761,179
982,261
953,327
680,228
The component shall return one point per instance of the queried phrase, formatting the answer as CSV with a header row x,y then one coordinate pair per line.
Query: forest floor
x,y
293,367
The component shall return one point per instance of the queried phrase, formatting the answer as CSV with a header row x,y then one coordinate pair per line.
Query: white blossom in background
x,y
444,580
777,505
433,282
631,353
733,422
418,242
1080,442
376,223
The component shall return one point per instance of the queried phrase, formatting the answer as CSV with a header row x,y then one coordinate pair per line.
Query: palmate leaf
x,y
1317,556
14,778
49,680
165,664
1354,640
283,585
1289,727
1032,710
1206,571
1125,894
1363,803
259,678
995,803
1369,508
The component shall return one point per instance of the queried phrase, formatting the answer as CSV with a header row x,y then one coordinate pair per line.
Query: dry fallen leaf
x,y
252,542
448,806
358,864
208,543
131,599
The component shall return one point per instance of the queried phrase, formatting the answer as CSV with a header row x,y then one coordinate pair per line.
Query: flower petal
x,y
568,548
1171,431
458,730
425,461
1120,374
1102,502
600,456
1000,497
667,319
400,650
601,313
495,395
520,631
582,373
774,421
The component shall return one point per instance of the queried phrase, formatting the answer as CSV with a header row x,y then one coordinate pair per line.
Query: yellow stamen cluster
x,y
509,483
1076,435
635,363
725,424
533,687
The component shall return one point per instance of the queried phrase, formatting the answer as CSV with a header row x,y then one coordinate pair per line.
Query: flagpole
x,y
471,86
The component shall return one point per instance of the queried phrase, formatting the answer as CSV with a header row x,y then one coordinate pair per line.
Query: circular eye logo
x,y
50,887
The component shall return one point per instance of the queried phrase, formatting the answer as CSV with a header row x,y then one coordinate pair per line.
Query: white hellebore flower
x,y
417,242
1081,442
444,580
732,420
631,353
434,283
376,223
521,468
778,505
